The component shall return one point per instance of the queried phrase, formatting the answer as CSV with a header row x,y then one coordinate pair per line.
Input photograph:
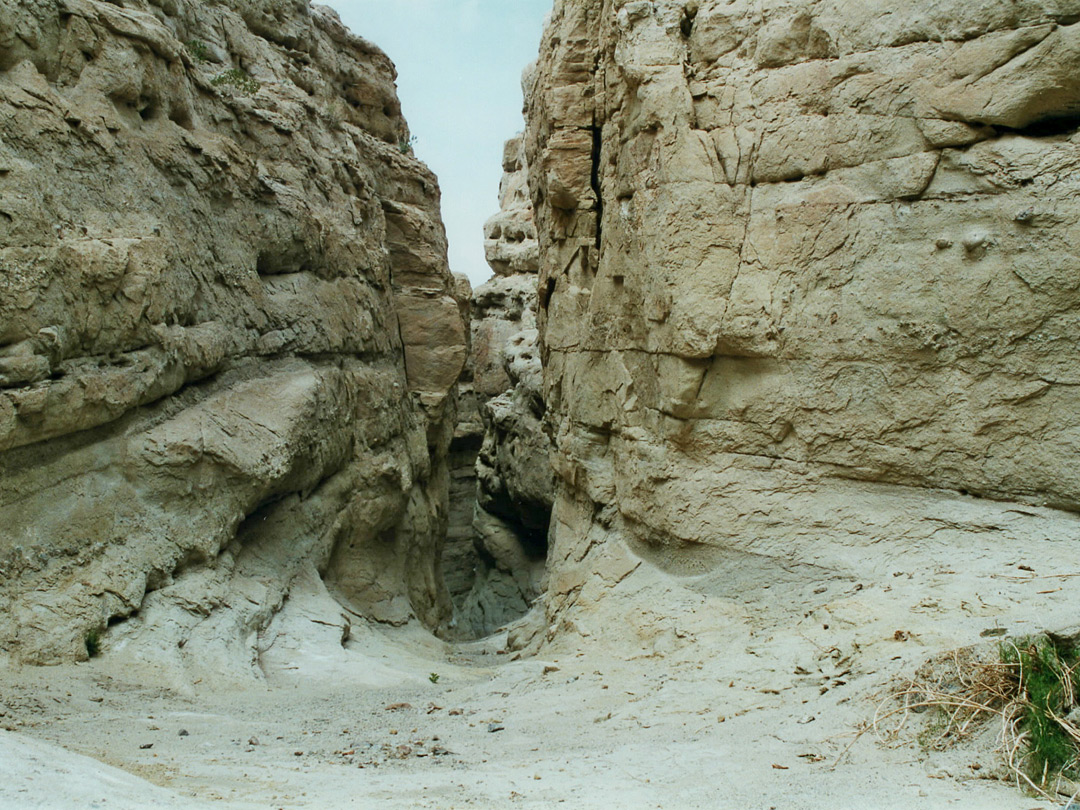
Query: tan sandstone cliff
x,y
228,335
808,290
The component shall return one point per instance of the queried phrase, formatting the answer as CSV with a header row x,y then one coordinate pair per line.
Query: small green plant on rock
x,y
93,642
197,48
433,677
406,145
238,80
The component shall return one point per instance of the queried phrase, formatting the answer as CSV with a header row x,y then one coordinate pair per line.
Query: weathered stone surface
x,y
510,245
514,469
498,562
228,335
815,289
514,477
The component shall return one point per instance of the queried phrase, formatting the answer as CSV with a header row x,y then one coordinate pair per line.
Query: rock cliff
x,y
228,335
808,284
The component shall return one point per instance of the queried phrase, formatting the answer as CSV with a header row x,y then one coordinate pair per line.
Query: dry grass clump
x,y
1028,688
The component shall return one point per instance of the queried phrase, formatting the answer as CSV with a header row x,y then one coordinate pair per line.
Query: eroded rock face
x,y
510,244
514,484
228,335
808,279
505,546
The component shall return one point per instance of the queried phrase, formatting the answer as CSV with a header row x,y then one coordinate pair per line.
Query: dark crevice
x,y
594,179
466,444
1067,124
686,24
546,292
528,518
284,260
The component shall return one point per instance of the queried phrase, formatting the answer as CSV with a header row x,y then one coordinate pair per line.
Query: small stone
x,y
493,727
145,746
253,740
183,733
974,243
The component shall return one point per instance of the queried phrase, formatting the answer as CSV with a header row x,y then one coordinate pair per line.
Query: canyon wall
x,y
808,284
229,340
801,275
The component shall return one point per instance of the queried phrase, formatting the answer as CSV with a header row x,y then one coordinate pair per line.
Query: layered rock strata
x,y
228,335
808,282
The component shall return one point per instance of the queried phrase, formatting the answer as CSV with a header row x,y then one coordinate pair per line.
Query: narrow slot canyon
x,y
502,485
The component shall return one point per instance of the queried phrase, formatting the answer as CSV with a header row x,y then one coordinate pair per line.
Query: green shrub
x,y
237,79
1028,686
1046,681
93,642
197,48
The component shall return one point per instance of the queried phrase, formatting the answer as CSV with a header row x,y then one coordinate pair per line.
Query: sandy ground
x,y
754,704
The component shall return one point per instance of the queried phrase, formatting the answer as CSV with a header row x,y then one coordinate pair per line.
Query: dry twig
x,y
971,694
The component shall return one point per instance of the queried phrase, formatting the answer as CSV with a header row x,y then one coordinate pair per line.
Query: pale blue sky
x,y
459,68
